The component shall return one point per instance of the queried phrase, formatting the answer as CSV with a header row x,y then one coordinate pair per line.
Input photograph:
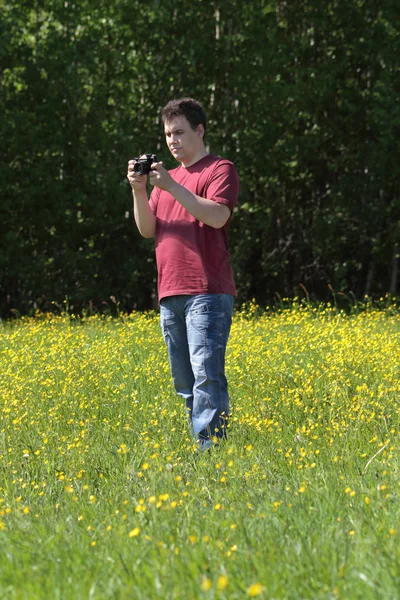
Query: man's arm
x,y
207,211
144,217
214,214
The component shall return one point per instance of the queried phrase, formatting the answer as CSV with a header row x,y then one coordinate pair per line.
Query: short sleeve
x,y
223,185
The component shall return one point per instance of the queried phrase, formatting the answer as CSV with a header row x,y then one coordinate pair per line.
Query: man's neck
x,y
198,156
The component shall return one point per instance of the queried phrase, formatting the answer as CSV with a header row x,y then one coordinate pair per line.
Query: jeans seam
x,y
205,369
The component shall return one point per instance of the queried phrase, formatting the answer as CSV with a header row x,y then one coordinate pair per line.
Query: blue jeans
x,y
196,330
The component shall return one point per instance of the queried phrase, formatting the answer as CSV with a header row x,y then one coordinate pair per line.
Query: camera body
x,y
142,165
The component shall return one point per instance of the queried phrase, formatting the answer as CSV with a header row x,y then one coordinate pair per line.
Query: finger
x,y
156,166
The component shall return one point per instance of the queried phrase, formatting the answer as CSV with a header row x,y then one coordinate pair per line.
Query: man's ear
x,y
200,130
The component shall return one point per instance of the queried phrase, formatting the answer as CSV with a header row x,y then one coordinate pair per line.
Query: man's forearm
x,y
144,218
204,210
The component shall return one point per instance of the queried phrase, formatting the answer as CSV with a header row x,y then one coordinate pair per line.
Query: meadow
x,y
104,496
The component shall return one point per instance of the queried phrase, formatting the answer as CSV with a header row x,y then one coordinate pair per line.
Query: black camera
x,y
142,165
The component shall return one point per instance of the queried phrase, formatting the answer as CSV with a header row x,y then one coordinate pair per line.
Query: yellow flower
x,y
26,510
222,582
255,590
134,532
206,584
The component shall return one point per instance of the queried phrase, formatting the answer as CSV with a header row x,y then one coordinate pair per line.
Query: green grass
x,y
102,494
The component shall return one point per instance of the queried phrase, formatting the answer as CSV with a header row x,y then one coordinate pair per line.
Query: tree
x,y
302,96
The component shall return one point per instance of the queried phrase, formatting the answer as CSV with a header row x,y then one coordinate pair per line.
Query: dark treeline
x,y
304,97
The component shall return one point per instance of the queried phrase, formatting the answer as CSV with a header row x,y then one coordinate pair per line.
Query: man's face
x,y
183,142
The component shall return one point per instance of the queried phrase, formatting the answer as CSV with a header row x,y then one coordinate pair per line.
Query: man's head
x,y
184,124
189,108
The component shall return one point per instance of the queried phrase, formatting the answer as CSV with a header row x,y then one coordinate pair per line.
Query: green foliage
x,y
302,96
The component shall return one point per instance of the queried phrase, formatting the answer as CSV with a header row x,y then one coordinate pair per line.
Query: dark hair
x,y
185,107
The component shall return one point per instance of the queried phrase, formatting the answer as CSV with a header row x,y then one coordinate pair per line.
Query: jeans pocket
x,y
206,303
167,319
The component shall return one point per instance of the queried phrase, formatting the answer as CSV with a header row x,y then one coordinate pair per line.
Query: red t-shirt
x,y
193,258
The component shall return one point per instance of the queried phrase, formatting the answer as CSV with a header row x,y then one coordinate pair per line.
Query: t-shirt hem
x,y
194,293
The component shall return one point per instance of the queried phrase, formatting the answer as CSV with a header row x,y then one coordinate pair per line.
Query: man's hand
x,y
138,182
160,177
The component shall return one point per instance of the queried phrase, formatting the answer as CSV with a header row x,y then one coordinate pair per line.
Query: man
x,y
188,214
